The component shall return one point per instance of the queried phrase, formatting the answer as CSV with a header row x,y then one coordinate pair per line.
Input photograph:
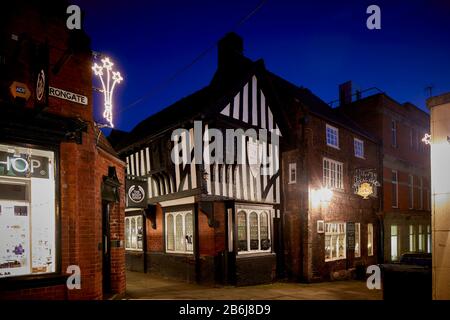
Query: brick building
x,y
61,183
405,159
330,230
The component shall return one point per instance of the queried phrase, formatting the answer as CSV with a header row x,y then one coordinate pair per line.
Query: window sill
x,y
33,281
254,254
334,147
334,260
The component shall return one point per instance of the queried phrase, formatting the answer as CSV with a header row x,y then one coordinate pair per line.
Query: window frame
x,y
336,235
410,192
327,181
397,242
249,210
361,142
358,239
292,169
370,240
421,193
130,218
175,214
336,130
396,189
394,140
412,238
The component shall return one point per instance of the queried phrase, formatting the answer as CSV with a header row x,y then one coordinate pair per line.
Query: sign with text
x,y
23,165
136,193
67,95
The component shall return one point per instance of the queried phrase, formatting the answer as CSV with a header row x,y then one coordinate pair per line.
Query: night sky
x,y
317,44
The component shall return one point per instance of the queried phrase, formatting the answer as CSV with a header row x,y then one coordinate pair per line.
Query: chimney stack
x,y
230,49
345,93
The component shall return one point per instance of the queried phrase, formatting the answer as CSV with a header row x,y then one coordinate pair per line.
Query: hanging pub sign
x,y
365,182
23,165
136,193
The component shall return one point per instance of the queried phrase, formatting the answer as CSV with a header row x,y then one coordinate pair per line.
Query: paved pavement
x,y
146,286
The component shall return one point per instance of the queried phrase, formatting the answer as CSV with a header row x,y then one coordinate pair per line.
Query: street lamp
x,y
321,196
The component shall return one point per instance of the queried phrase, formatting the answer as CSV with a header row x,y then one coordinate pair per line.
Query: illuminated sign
x,y
19,89
136,193
365,182
67,95
108,85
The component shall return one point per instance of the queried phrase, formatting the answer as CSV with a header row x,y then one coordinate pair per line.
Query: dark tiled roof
x,y
103,143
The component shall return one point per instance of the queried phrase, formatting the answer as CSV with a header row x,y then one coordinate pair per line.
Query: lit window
x,y
253,231
332,174
428,239
332,136
394,189
27,211
394,133
179,232
292,173
335,241
370,239
422,243
412,238
394,243
411,191
357,240
134,233
359,148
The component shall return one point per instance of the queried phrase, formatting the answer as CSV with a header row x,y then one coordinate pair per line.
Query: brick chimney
x,y
345,93
230,49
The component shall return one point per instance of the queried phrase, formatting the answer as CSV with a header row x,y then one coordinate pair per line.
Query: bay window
x,y
27,211
134,233
253,228
179,232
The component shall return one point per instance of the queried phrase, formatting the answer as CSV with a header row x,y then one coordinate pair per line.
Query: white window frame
x,y
359,142
410,191
357,240
292,170
334,135
183,215
334,230
128,244
394,183
370,237
333,178
258,210
394,141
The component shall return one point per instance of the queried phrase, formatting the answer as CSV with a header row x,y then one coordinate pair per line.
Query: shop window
x,y
335,241
27,211
253,231
394,243
134,233
357,240
370,239
428,239
412,238
422,243
179,232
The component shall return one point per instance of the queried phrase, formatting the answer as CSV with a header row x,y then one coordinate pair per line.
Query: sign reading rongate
x,y
136,193
67,95
23,165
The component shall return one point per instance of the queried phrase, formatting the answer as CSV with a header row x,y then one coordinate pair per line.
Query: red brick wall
x,y
155,237
82,168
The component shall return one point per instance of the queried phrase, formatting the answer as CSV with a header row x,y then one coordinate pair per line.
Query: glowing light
x,y
321,196
426,138
108,87
365,190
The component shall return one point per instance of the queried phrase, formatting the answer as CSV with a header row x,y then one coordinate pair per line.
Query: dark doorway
x,y
106,247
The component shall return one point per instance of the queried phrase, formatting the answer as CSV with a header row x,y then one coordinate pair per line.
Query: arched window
x,y
242,231
133,233
264,231
170,233
189,237
127,234
254,245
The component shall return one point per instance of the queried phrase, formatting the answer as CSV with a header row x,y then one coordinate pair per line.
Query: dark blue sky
x,y
317,44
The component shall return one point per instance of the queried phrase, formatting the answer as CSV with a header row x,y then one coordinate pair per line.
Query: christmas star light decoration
x,y
108,84
426,138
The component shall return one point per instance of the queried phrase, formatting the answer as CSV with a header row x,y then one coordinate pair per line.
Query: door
x,y
106,248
